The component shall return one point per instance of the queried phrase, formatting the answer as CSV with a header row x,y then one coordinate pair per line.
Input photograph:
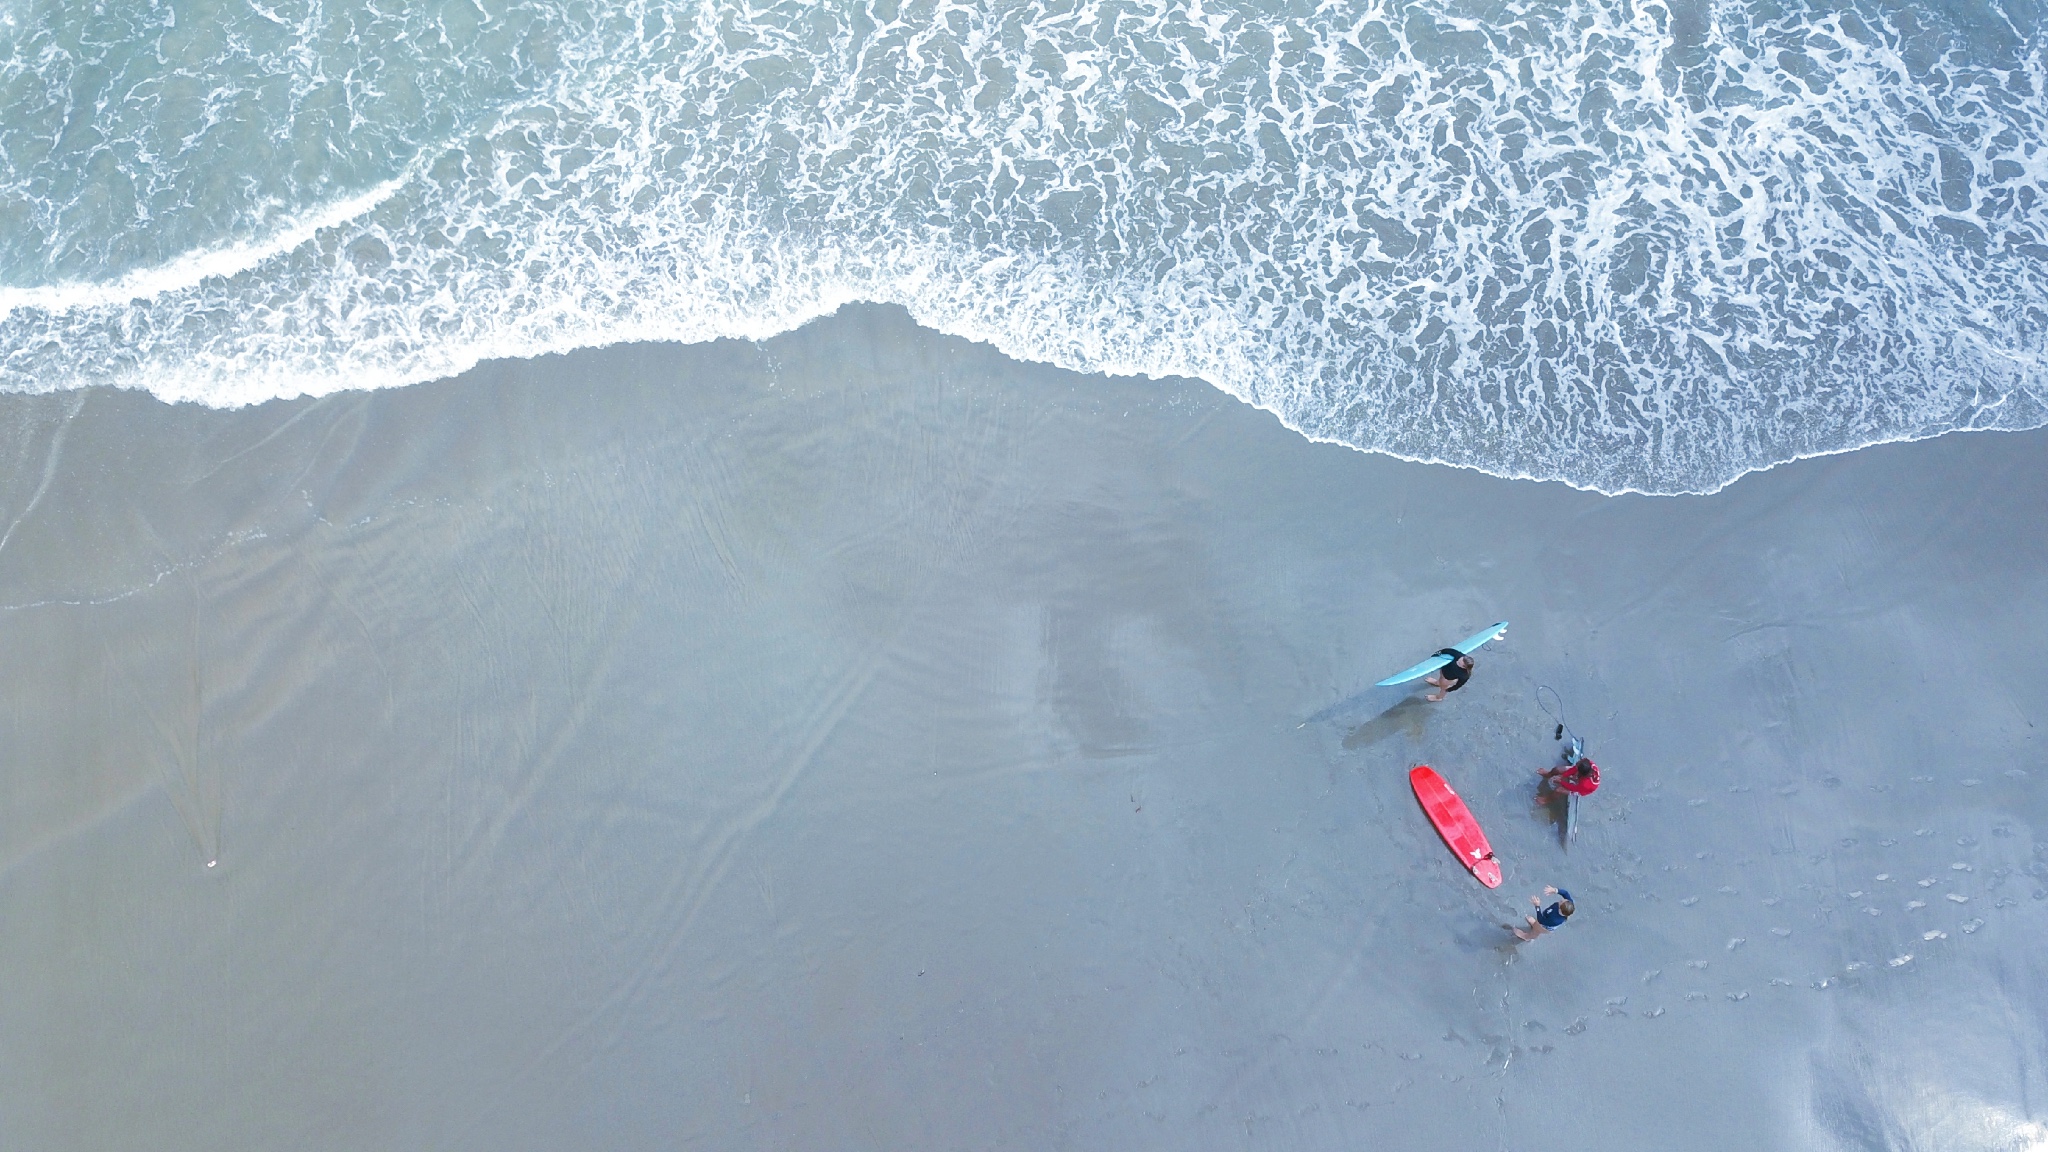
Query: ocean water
x,y
1627,245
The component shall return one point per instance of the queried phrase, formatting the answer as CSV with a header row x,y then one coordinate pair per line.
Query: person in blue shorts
x,y
1547,919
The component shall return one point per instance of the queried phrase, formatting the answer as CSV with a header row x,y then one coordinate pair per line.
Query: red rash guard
x,y
1572,780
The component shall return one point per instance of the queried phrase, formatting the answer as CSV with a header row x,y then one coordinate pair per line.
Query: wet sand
x,y
860,740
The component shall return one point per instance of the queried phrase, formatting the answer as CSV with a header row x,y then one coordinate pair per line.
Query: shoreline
x,y
859,729
973,330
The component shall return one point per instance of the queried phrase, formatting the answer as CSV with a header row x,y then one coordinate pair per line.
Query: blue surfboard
x,y
1465,647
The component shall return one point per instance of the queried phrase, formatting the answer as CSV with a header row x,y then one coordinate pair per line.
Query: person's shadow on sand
x,y
1497,938
1360,707
1408,717
1555,807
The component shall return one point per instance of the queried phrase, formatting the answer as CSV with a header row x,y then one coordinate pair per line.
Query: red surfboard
x,y
1455,824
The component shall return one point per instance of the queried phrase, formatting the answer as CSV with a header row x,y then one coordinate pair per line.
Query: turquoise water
x,y
1625,245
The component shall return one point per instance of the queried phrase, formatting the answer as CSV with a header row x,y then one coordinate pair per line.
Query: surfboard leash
x,y
1557,716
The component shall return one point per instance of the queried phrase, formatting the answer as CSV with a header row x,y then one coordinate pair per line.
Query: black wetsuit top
x,y
1455,675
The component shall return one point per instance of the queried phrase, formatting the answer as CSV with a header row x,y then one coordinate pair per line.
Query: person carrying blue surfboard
x,y
1447,669
1451,676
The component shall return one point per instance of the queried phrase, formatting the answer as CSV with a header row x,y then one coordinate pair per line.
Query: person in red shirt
x,y
1580,779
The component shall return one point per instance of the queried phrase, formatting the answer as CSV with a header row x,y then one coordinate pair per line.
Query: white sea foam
x,y
1631,247
186,272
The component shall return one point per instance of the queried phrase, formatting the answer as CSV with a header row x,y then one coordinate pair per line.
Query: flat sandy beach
x,y
862,741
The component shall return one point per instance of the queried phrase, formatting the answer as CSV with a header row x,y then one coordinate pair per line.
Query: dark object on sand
x,y
1557,714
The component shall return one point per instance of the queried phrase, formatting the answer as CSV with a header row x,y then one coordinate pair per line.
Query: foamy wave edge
x,y
973,300
196,268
